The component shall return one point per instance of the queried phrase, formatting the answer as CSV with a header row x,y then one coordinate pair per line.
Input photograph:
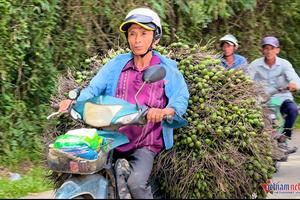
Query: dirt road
x,y
42,195
288,176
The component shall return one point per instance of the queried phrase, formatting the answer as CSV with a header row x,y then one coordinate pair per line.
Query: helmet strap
x,y
149,49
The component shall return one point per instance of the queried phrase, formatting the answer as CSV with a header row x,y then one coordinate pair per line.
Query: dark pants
x,y
141,163
289,108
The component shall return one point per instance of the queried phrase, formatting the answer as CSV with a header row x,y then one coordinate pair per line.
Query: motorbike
x,y
96,178
278,120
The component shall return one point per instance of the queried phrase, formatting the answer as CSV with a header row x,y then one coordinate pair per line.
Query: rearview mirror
x,y
73,94
154,73
151,75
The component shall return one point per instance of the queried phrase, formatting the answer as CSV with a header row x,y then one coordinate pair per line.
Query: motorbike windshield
x,y
103,111
99,115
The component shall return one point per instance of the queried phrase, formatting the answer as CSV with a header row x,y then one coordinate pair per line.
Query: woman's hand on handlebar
x,y
64,105
157,114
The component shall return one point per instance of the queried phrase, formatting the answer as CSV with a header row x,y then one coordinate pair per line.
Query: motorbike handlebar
x,y
168,118
267,97
52,115
281,90
63,107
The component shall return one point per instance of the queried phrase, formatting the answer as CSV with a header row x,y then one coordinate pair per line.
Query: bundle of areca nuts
x,y
226,151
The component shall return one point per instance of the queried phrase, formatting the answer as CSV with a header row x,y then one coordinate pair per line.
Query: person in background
x,y
122,77
229,59
279,79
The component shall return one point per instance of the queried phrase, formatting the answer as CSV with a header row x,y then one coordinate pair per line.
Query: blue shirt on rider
x,y
239,62
106,81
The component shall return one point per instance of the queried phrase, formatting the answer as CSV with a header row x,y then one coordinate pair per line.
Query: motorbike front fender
x,y
95,186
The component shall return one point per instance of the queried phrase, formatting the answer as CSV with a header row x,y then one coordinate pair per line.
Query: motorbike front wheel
x,y
94,186
83,197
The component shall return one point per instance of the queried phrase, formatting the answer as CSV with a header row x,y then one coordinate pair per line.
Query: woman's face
x,y
139,39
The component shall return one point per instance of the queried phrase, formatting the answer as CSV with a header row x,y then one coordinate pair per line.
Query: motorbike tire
x,y
82,197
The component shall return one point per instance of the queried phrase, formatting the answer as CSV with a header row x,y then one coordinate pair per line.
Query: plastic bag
x,y
79,138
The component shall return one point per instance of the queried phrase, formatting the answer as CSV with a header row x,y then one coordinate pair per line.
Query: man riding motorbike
x,y
276,74
122,77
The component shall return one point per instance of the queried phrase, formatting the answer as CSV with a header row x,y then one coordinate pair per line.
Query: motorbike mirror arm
x,y
150,75
138,106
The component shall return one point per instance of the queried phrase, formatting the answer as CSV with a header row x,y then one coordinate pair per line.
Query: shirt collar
x,y
223,60
277,63
130,65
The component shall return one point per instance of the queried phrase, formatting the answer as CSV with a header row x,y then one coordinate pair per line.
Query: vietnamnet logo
x,y
270,187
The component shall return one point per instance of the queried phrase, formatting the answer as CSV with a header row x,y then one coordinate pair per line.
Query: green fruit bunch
x,y
93,65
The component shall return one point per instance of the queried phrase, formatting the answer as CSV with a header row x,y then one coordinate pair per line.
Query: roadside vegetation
x,y
31,181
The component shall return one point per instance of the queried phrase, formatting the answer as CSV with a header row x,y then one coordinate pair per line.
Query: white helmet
x,y
230,39
144,17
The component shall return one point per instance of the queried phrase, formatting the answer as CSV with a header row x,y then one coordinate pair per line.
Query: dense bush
x,y
27,73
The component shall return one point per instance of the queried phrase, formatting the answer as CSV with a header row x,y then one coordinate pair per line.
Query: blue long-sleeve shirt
x,y
239,62
106,81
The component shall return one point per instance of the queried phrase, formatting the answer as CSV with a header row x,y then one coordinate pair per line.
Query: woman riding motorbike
x,y
122,77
